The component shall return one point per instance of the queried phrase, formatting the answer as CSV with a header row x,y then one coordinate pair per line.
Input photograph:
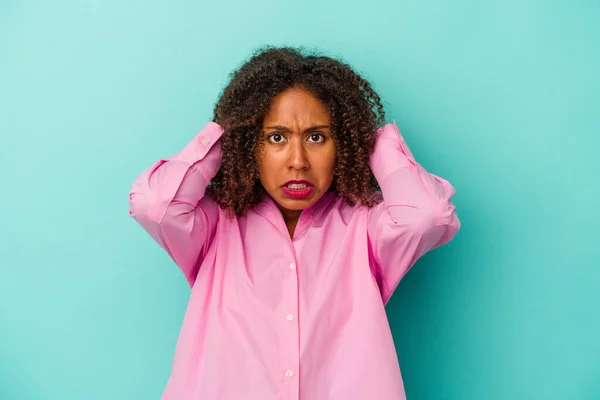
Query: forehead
x,y
296,106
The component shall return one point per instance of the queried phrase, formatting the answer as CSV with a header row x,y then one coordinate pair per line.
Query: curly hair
x,y
354,107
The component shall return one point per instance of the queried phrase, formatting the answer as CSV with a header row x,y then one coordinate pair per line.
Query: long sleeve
x,y
168,200
415,216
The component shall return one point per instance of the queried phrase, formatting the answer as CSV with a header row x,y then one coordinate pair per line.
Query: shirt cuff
x,y
200,145
189,158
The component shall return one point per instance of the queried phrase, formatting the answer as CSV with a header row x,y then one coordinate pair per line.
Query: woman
x,y
273,213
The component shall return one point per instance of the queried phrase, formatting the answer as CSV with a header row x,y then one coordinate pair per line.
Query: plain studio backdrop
x,y
502,98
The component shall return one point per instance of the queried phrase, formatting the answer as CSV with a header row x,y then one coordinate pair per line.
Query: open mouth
x,y
297,186
298,189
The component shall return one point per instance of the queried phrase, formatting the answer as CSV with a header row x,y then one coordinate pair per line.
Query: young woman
x,y
293,215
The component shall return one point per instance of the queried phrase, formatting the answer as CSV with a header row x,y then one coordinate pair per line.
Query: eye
x,y
316,138
276,138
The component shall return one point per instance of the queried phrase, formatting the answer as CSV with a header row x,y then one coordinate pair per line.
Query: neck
x,y
291,219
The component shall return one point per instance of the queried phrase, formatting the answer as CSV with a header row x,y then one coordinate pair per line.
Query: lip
x,y
298,194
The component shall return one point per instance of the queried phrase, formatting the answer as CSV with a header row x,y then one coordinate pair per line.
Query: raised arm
x,y
416,214
168,200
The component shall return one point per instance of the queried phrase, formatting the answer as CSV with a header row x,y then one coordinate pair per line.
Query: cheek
x,y
327,162
266,170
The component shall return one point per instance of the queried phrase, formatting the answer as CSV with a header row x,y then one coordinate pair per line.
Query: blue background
x,y
501,98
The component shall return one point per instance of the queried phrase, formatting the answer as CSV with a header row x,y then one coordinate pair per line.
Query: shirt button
x,y
289,373
290,317
293,265
205,141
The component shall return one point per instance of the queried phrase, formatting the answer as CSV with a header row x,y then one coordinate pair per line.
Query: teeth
x,y
296,186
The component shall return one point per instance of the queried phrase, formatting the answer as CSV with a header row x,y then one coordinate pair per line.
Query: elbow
x,y
426,222
447,220
436,228
138,205
145,204
445,215
142,205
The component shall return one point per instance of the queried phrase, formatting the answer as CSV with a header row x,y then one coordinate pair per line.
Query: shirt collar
x,y
269,210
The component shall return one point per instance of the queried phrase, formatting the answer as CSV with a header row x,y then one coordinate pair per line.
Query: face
x,y
297,160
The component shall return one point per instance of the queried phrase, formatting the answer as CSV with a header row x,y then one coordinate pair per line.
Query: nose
x,y
298,159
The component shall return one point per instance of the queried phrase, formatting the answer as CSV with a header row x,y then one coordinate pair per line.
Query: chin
x,y
296,205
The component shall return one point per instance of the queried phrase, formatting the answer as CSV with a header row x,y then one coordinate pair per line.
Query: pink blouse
x,y
277,318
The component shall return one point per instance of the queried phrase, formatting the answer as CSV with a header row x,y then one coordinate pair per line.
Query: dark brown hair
x,y
355,109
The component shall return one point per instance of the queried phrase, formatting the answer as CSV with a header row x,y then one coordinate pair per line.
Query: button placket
x,y
289,328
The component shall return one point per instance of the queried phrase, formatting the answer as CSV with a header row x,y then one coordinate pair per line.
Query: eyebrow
x,y
286,129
